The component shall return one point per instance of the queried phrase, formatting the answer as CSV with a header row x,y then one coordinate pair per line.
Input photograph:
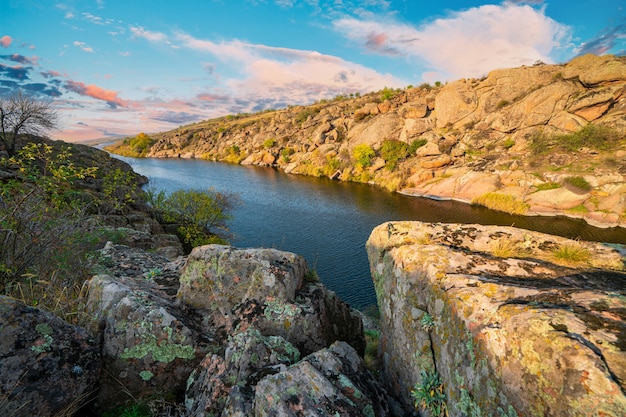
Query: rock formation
x,y
230,331
463,140
47,366
507,322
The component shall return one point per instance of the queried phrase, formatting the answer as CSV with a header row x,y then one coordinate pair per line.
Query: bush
x,y
201,216
363,155
416,144
47,238
269,143
597,137
392,152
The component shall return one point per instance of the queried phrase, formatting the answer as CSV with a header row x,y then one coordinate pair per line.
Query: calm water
x,y
328,222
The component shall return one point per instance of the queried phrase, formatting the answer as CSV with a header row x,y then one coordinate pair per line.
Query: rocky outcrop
x,y
47,366
511,322
477,136
216,328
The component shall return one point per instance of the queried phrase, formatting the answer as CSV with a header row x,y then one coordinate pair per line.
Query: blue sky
x,y
118,68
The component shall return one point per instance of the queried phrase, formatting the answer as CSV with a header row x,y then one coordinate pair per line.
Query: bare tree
x,y
21,114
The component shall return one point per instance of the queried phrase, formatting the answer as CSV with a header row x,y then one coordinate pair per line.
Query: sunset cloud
x,y
20,59
5,41
284,75
465,43
96,92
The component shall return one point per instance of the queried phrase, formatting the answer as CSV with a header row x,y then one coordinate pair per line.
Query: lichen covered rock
x,y
147,347
514,322
330,382
47,366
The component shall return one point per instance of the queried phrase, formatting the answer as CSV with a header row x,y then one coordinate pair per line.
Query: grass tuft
x,y
501,202
573,253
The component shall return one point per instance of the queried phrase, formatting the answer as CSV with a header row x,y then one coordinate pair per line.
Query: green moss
x,y
146,375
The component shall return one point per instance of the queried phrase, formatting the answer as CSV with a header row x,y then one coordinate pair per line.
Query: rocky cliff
x,y
498,321
546,139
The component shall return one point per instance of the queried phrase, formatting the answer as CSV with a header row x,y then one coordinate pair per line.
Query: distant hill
x,y
545,139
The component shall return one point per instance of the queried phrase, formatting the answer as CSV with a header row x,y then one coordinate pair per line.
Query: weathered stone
x,y
241,287
147,349
330,382
455,101
521,335
47,366
592,69
248,358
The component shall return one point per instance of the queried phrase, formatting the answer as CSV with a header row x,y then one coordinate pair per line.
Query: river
x,y
328,222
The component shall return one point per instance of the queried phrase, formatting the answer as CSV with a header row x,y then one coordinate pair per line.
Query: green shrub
x,y
387,94
305,113
286,153
363,155
508,143
416,144
201,215
578,182
392,152
548,186
269,143
596,137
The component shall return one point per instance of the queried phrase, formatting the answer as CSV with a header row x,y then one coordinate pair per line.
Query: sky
x,y
117,68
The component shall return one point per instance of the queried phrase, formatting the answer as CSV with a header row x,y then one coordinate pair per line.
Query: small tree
x,y
201,216
21,114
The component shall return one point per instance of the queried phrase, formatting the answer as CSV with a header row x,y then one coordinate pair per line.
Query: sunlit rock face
x,y
514,322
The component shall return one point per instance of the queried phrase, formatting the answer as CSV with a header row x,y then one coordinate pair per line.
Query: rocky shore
x,y
548,137
493,320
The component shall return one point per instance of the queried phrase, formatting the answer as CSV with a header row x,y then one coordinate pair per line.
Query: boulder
x,y
330,382
227,383
507,325
591,69
265,288
148,348
47,366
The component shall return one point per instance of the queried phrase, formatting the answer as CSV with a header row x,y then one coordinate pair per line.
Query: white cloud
x,y
83,46
292,75
151,36
467,43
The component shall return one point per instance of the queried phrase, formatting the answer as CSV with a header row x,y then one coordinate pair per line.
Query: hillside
x,y
546,139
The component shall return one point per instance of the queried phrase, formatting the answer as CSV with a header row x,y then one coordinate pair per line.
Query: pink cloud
x,y
466,43
5,41
96,92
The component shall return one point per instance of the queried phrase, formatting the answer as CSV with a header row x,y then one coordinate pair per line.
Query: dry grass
x,y
506,248
573,253
54,295
502,202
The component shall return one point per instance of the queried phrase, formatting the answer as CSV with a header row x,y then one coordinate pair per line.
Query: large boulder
x,y
47,366
235,288
512,322
148,347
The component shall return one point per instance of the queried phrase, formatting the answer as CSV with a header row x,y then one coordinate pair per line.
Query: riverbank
x,y
540,140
